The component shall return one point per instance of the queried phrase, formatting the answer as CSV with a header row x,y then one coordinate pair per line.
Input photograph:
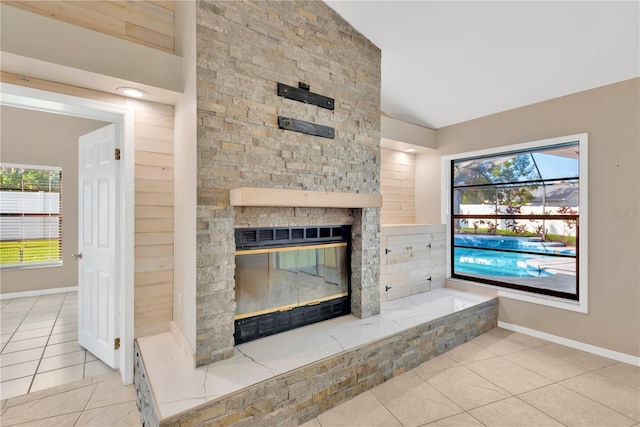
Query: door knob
x,y
77,256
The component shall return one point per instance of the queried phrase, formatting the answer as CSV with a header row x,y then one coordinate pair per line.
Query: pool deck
x,y
558,282
555,266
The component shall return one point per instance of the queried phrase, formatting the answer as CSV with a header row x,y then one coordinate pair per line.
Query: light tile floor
x,y
38,345
500,378
98,401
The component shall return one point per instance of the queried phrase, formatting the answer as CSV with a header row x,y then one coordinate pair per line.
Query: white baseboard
x,y
39,292
182,341
599,351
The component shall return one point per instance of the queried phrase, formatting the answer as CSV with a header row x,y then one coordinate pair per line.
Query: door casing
x,y
122,117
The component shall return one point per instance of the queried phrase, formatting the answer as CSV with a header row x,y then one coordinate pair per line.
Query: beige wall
x,y
36,138
154,148
610,116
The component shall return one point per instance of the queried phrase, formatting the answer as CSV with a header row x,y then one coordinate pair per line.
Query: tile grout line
x,y
597,401
87,404
58,309
13,334
538,409
46,344
559,383
19,324
462,410
84,363
589,371
383,405
467,412
512,395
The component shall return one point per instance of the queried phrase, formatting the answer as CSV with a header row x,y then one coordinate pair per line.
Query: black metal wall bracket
x,y
306,127
302,94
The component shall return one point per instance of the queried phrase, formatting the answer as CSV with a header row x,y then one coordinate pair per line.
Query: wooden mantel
x,y
277,197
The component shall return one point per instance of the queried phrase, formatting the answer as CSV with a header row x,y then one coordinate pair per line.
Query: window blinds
x,y
30,216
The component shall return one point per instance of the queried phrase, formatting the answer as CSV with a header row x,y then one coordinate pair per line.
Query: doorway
x,y
122,120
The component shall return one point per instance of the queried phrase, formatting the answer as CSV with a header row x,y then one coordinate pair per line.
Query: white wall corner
x,y
185,182
183,343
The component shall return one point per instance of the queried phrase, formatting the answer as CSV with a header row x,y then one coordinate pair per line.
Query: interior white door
x,y
98,266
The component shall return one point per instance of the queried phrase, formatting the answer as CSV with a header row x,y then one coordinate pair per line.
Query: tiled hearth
x,y
349,354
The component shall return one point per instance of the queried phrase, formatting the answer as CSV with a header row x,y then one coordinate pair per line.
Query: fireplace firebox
x,y
287,278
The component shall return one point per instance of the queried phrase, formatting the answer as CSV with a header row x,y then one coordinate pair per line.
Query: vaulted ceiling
x,y
445,62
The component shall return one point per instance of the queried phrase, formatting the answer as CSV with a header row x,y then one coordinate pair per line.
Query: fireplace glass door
x,y
283,278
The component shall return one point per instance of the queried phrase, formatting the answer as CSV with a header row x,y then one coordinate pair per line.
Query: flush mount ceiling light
x,y
131,92
409,150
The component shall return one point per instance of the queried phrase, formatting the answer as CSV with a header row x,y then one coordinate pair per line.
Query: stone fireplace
x,y
251,174
334,237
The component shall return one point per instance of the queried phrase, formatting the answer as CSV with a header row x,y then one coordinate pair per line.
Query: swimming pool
x,y
492,263
489,262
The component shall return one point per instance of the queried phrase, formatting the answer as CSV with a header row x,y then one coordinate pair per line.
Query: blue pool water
x,y
485,261
475,261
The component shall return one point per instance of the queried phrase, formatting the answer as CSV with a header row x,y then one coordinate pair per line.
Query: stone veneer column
x,y
365,263
215,297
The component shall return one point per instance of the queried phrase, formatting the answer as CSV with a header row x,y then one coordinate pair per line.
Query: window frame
x,y
581,303
59,216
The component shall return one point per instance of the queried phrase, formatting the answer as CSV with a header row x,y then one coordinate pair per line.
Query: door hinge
x,y
117,154
116,344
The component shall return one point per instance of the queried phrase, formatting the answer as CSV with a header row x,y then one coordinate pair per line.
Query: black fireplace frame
x,y
259,326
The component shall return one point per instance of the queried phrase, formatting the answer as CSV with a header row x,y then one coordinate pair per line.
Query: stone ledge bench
x,y
290,378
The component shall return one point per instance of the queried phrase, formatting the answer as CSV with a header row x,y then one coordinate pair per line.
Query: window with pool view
x,y
515,219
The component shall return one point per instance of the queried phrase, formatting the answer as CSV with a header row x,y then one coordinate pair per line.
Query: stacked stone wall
x,y
245,48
